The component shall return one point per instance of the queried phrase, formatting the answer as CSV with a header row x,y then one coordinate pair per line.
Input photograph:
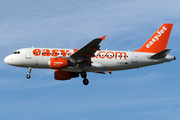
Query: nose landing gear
x,y
29,72
84,75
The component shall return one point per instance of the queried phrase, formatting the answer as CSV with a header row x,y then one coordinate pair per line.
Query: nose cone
x,y
13,60
10,60
7,60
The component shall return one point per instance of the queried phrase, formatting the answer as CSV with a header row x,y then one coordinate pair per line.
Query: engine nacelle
x,y
64,75
58,63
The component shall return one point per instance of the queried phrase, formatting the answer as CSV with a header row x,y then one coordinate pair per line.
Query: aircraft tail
x,y
158,41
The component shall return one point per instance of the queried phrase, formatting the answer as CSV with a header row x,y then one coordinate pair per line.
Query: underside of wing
x,y
87,52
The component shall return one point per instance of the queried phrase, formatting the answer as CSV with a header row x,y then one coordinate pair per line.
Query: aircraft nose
x,y
11,60
7,60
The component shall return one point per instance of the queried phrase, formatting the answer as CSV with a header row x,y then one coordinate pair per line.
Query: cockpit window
x,y
16,52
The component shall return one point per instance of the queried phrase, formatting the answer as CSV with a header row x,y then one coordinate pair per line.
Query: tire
x,y
28,76
85,81
83,74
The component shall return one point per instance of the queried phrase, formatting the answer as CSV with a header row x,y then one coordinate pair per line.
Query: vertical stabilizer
x,y
158,41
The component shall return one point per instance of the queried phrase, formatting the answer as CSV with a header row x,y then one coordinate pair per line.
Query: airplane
x,y
72,63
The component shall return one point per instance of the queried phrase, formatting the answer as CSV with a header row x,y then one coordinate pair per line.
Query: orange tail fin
x,y
158,41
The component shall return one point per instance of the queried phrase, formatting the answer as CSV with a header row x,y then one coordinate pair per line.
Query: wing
x,y
85,53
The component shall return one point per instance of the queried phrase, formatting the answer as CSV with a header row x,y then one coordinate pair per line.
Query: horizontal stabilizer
x,y
161,54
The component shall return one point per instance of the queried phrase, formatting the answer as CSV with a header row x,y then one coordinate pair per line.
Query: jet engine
x,y
60,63
64,75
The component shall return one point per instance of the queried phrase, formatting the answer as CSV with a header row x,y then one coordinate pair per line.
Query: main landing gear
x,y
84,75
29,72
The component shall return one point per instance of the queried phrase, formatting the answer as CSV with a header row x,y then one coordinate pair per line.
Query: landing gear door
x,y
135,57
29,53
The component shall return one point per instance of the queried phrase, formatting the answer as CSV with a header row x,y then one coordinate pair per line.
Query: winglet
x,y
103,38
110,72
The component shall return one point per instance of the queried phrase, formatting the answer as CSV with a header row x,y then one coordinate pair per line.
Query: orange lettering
x,y
55,52
120,54
109,56
124,55
99,54
116,54
75,50
46,52
36,52
69,54
64,53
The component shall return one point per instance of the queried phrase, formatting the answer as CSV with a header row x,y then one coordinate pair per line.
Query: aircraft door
x,y
135,57
29,53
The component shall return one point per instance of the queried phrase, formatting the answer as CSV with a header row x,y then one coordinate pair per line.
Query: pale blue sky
x,y
150,93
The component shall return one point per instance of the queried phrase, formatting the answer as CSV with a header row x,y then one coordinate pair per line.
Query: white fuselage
x,y
105,60
69,63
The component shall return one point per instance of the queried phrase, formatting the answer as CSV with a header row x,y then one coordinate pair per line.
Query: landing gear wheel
x,y
29,72
28,76
83,74
85,81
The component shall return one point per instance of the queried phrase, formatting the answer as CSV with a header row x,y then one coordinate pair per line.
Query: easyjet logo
x,y
64,53
58,63
55,52
156,37
111,55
